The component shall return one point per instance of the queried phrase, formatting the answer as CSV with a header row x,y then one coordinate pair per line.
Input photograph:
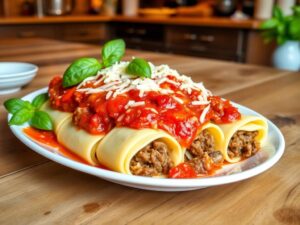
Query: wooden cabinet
x,y
141,36
218,43
84,32
29,31
221,43
78,32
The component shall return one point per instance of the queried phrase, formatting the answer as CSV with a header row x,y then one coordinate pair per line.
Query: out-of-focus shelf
x,y
212,37
53,19
209,21
194,21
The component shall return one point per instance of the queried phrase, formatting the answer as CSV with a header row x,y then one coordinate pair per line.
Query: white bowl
x,y
253,166
14,75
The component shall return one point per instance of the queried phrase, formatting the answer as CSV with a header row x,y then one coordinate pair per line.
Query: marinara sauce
x,y
173,112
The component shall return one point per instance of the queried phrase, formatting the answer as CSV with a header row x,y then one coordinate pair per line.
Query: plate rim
x,y
149,181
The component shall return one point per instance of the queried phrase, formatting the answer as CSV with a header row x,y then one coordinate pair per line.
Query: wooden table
x,y
34,190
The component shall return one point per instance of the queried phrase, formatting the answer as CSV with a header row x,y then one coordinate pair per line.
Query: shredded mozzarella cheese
x,y
108,95
116,81
179,100
132,103
203,114
152,110
200,102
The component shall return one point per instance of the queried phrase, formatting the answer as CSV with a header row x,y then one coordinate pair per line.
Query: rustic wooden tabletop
x,y
34,190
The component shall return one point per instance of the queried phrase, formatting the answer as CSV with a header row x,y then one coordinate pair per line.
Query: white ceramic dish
x,y
14,75
16,69
255,165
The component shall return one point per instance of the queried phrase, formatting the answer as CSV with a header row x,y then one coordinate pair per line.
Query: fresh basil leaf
x,y
139,67
79,70
112,52
41,120
13,105
21,116
39,100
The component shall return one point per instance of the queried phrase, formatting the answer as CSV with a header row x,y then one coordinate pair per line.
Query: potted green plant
x,y
285,30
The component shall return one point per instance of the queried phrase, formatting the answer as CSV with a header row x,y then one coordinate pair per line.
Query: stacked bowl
x,y
14,75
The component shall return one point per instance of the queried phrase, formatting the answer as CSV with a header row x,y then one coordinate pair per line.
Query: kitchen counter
x,y
52,19
210,21
201,21
35,190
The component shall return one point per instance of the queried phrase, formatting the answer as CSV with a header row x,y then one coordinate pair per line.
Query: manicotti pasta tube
x,y
79,141
73,138
253,129
204,154
58,117
215,132
120,145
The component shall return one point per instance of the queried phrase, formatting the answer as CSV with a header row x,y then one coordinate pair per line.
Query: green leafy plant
x,y
139,67
82,68
24,111
282,28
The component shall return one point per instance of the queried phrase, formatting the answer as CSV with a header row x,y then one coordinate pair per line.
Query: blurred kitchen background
x,y
219,29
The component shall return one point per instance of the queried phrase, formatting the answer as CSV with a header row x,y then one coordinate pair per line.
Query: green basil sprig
x,y
79,70
21,116
113,52
39,100
24,111
139,67
13,105
82,68
41,120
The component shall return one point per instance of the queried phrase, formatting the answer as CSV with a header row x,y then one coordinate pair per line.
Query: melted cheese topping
x,y
132,103
116,81
203,114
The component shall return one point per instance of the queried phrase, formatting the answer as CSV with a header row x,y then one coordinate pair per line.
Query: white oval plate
x,y
255,165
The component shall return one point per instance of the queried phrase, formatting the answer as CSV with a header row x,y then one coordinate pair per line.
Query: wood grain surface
x,y
34,190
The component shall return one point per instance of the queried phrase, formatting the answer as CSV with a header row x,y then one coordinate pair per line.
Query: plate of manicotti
x,y
143,125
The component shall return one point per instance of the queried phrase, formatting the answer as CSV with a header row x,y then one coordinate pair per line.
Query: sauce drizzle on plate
x,y
49,138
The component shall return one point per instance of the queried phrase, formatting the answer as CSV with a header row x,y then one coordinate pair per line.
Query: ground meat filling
x,y
152,160
203,155
243,144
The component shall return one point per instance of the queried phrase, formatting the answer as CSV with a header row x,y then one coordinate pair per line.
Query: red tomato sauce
x,y
49,138
185,170
98,115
